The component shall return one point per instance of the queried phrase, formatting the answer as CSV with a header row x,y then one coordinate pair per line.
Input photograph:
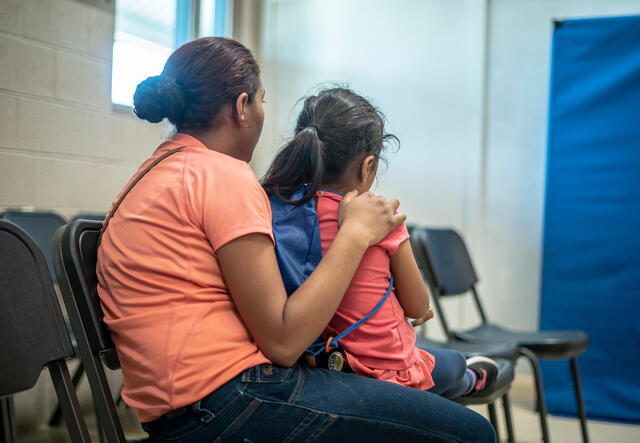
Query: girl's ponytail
x,y
300,162
335,128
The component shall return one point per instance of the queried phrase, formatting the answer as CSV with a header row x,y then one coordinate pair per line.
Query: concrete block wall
x,y
63,145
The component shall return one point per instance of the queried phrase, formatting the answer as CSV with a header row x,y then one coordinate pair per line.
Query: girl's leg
x,y
268,403
464,386
450,373
454,376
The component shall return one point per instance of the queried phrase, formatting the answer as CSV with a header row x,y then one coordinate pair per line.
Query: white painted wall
x,y
421,62
473,128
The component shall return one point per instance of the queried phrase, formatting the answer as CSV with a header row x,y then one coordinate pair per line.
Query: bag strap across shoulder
x,y
131,185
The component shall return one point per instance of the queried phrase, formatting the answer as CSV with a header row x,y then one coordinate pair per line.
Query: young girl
x,y
339,137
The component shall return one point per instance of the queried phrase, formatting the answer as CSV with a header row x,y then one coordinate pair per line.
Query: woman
x,y
189,283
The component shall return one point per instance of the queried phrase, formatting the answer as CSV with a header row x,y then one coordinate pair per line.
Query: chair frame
x,y
58,370
533,358
93,345
424,266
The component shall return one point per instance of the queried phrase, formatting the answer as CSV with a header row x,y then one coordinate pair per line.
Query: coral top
x,y
383,347
175,327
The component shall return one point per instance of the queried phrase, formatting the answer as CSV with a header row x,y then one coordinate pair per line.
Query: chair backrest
x,y
74,258
32,327
419,252
41,227
449,261
446,265
90,216
418,241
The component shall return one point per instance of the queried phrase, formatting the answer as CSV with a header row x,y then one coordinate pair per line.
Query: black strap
x,y
131,185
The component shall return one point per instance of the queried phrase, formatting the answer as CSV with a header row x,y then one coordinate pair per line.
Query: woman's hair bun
x,y
158,97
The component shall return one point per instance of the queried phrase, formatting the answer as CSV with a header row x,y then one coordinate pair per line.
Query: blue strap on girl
x,y
298,250
319,345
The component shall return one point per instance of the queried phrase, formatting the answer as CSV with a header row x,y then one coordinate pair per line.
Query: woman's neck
x,y
225,138
215,140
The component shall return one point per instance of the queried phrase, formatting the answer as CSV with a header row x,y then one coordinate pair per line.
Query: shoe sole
x,y
483,359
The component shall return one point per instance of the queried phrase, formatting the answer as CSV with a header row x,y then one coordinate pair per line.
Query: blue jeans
x,y
450,375
272,404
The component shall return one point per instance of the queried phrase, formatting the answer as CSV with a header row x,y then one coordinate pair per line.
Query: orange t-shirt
x,y
176,329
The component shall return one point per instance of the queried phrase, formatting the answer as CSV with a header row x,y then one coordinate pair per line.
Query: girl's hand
x,y
368,216
420,321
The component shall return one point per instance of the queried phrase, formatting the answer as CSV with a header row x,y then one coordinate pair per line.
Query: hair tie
x,y
318,131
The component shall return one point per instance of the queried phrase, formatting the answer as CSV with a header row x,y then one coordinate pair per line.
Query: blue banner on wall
x,y
591,258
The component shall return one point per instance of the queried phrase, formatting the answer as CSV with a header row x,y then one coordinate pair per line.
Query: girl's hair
x,y
334,128
198,80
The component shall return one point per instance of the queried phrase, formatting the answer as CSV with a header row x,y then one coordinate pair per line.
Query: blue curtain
x,y
591,258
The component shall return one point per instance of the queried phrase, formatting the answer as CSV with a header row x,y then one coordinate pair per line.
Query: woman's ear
x,y
241,103
367,167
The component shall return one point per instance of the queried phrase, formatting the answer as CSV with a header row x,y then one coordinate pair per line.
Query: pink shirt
x,y
383,347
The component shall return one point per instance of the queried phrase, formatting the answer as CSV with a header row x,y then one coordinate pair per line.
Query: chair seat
x,y
507,351
501,386
545,344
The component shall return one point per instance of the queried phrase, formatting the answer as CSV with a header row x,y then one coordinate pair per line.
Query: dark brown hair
x,y
334,128
198,80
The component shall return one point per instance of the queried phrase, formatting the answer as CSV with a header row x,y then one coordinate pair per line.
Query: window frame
x,y
187,28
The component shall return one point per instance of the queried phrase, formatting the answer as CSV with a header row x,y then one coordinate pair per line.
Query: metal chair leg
x,y
493,418
579,400
8,432
68,401
56,417
542,404
105,407
506,405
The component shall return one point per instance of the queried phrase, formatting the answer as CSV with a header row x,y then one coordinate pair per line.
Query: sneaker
x,y
487,371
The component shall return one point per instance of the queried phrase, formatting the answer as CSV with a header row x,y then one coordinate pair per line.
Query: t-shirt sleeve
x,y
235,205
393,239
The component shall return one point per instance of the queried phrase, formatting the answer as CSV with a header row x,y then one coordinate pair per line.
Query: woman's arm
x,y
407,279
284,327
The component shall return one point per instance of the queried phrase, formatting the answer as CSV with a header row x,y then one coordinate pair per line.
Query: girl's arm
x,y
284,327
407,279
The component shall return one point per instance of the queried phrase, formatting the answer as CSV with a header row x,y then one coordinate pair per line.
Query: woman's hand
x,y
283,327
368,216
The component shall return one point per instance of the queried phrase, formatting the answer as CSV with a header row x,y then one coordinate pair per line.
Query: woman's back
x,y
174,324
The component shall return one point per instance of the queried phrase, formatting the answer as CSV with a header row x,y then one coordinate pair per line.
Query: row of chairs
x,y
74,258
40,226
446,265
46,341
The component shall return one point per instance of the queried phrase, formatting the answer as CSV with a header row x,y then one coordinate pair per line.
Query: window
x,y
147,31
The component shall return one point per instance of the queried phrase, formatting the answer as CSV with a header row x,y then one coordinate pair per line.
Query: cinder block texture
x,y
11,16
26,67
82,80
58,22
